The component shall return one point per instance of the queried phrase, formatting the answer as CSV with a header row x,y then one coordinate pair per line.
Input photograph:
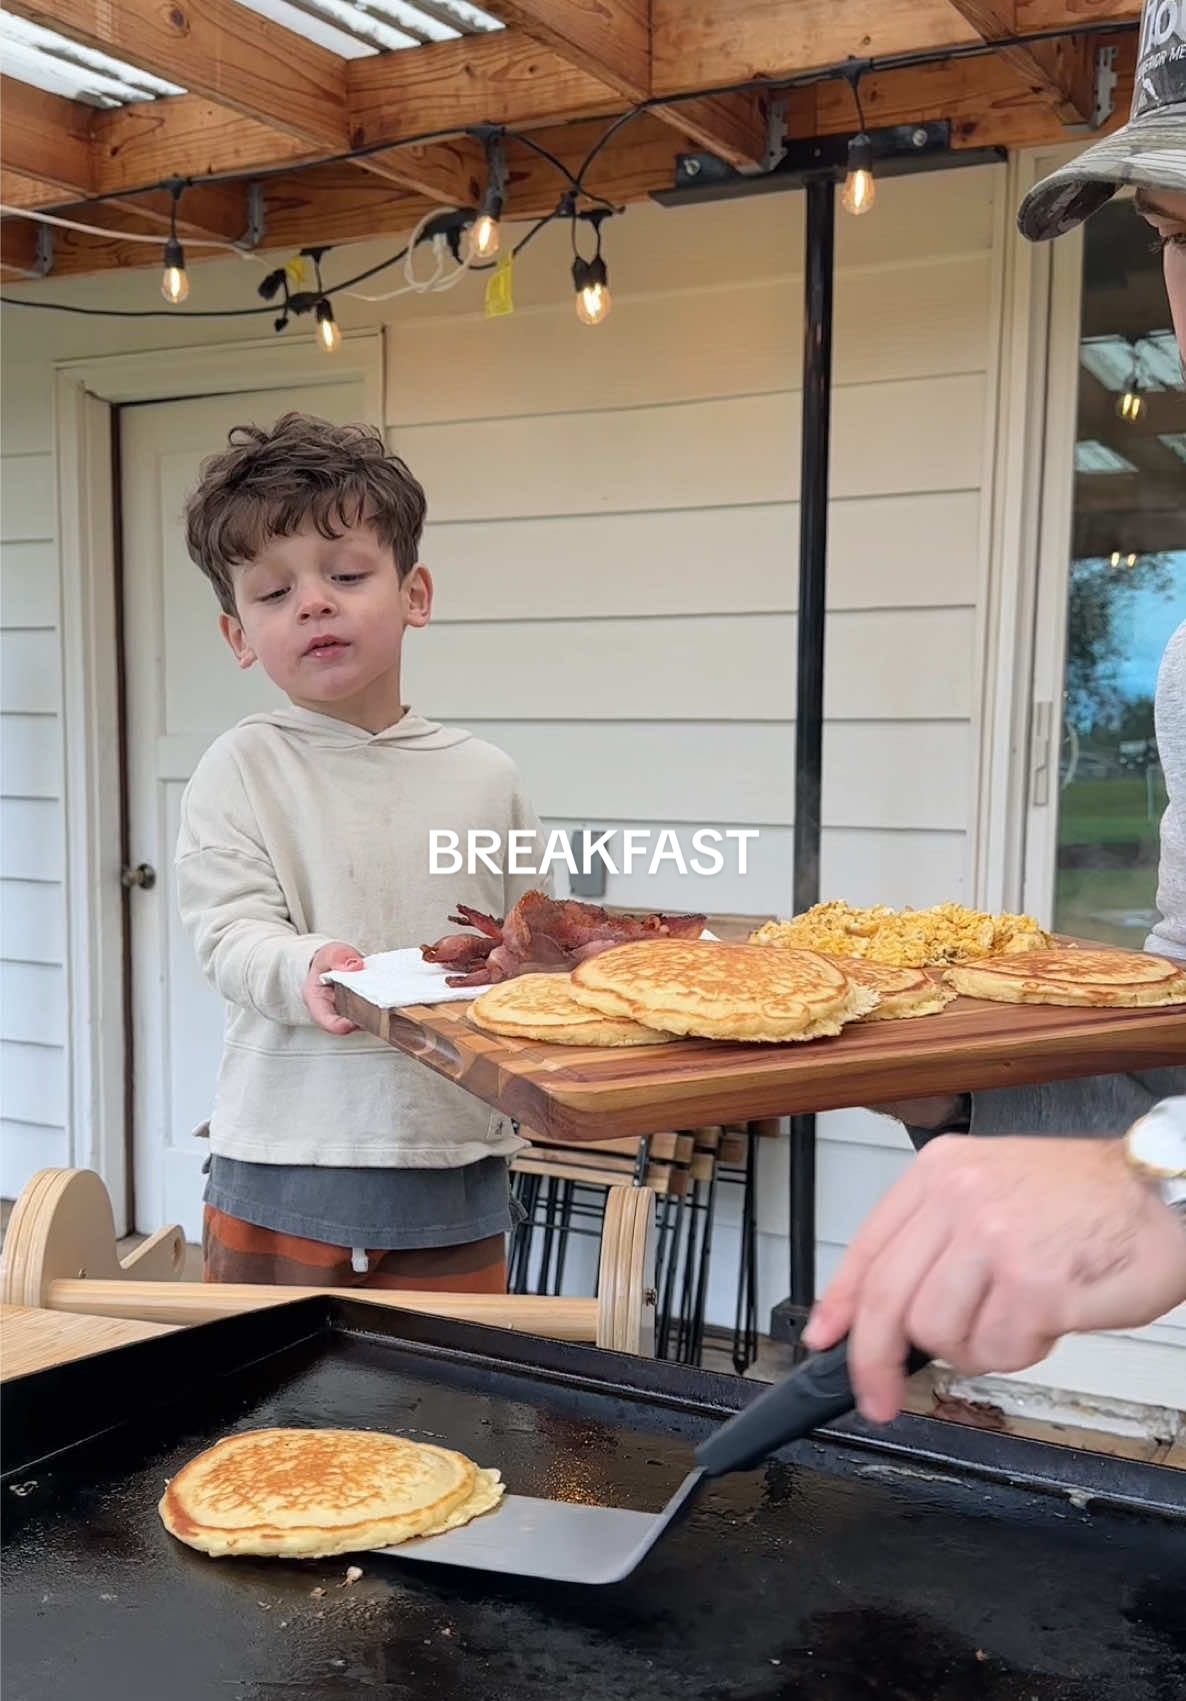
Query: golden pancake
x,y
311,1492
720,991
542,1007
1108,979
946,933
900,992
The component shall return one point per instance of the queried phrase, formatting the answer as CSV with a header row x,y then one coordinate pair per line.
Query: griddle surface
x,y
835,1574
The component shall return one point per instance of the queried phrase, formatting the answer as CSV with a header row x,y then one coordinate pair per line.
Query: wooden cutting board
x,y
573,1093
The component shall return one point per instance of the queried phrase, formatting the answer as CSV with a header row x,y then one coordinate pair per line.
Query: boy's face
x,y
325,619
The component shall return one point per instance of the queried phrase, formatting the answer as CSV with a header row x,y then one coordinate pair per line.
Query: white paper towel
x,y
393,979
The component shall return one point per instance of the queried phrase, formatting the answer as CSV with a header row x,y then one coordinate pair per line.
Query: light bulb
x,y
1115,558
174,282
1131,405
484,237
593,304
1132,560
591,281
329,338
860,190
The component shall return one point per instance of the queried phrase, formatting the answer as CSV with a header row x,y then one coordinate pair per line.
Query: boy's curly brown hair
x,y
267,484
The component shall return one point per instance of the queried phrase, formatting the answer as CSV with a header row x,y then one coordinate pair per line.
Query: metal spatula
x,y
563,1542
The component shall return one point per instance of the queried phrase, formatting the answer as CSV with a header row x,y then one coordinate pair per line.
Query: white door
x,y
183,689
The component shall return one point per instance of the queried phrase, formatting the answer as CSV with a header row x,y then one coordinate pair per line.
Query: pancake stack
x,y
306,1493
1079,976
901,992
542,1007
721,991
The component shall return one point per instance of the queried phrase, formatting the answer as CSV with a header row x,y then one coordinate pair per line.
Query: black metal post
x,y
790,1315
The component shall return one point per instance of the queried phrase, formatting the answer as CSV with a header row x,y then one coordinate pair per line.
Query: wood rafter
x,y
700,44
1061,72
613,42
46,136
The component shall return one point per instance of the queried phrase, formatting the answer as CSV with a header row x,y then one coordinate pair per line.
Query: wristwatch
x,y
1155,1146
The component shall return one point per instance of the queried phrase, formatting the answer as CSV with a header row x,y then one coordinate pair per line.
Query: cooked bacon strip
x,y
460,948
543,935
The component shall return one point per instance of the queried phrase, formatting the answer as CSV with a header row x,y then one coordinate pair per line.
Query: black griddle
x,y
923,1562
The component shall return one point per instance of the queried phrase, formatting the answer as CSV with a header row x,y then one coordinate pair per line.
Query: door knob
x,y
144,876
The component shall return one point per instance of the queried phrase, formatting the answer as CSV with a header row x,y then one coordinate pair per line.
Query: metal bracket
x,y
44,263
776,132
256,216
1105,86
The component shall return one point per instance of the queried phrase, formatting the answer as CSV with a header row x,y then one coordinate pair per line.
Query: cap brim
x,y
1150,151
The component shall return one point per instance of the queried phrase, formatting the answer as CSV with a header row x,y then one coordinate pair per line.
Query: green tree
x,y
1099,594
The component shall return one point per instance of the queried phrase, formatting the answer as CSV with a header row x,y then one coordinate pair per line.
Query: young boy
x,y
303,846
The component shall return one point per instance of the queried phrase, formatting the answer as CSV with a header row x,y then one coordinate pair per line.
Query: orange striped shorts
x,y
235,1251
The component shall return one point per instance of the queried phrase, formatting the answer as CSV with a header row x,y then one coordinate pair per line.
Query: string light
x,y
174,281
329,337
484,234
590,278
861,196
860,190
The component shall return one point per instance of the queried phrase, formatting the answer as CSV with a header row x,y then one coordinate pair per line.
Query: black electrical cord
x,y
250,312
752,85
851,71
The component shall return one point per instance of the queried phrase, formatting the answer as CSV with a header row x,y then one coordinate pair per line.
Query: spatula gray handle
x,y
814,1393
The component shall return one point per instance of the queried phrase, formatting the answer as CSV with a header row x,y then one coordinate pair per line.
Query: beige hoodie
x,y
297,829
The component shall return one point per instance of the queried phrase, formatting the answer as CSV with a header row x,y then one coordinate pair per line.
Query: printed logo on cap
x,y
1161,58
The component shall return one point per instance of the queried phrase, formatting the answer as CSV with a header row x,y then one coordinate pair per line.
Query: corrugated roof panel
x,y
51,61
376,26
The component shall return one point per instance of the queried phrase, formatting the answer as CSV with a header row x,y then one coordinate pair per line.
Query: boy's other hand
x,y
319,1000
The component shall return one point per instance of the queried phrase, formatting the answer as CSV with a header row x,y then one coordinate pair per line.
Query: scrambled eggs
x,y
947,933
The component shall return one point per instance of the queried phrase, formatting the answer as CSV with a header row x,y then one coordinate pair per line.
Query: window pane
x,y
1127,584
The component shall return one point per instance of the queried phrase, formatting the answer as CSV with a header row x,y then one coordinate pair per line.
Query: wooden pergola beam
x,y
450,86
981,98
698,44
338,204
1061,72
613,42
232,57
46,137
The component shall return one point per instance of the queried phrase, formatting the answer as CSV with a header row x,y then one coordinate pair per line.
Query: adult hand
x,y
986,1252
319,1000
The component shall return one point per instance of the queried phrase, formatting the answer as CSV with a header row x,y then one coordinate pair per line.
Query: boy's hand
x,y
319,1000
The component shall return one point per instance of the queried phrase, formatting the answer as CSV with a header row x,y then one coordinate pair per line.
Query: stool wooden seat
x,y
60,1255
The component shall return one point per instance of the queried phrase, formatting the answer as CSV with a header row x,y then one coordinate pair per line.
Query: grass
x,y
1108,811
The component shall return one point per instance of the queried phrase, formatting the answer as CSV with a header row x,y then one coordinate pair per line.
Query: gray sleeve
x,y
1095,1104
